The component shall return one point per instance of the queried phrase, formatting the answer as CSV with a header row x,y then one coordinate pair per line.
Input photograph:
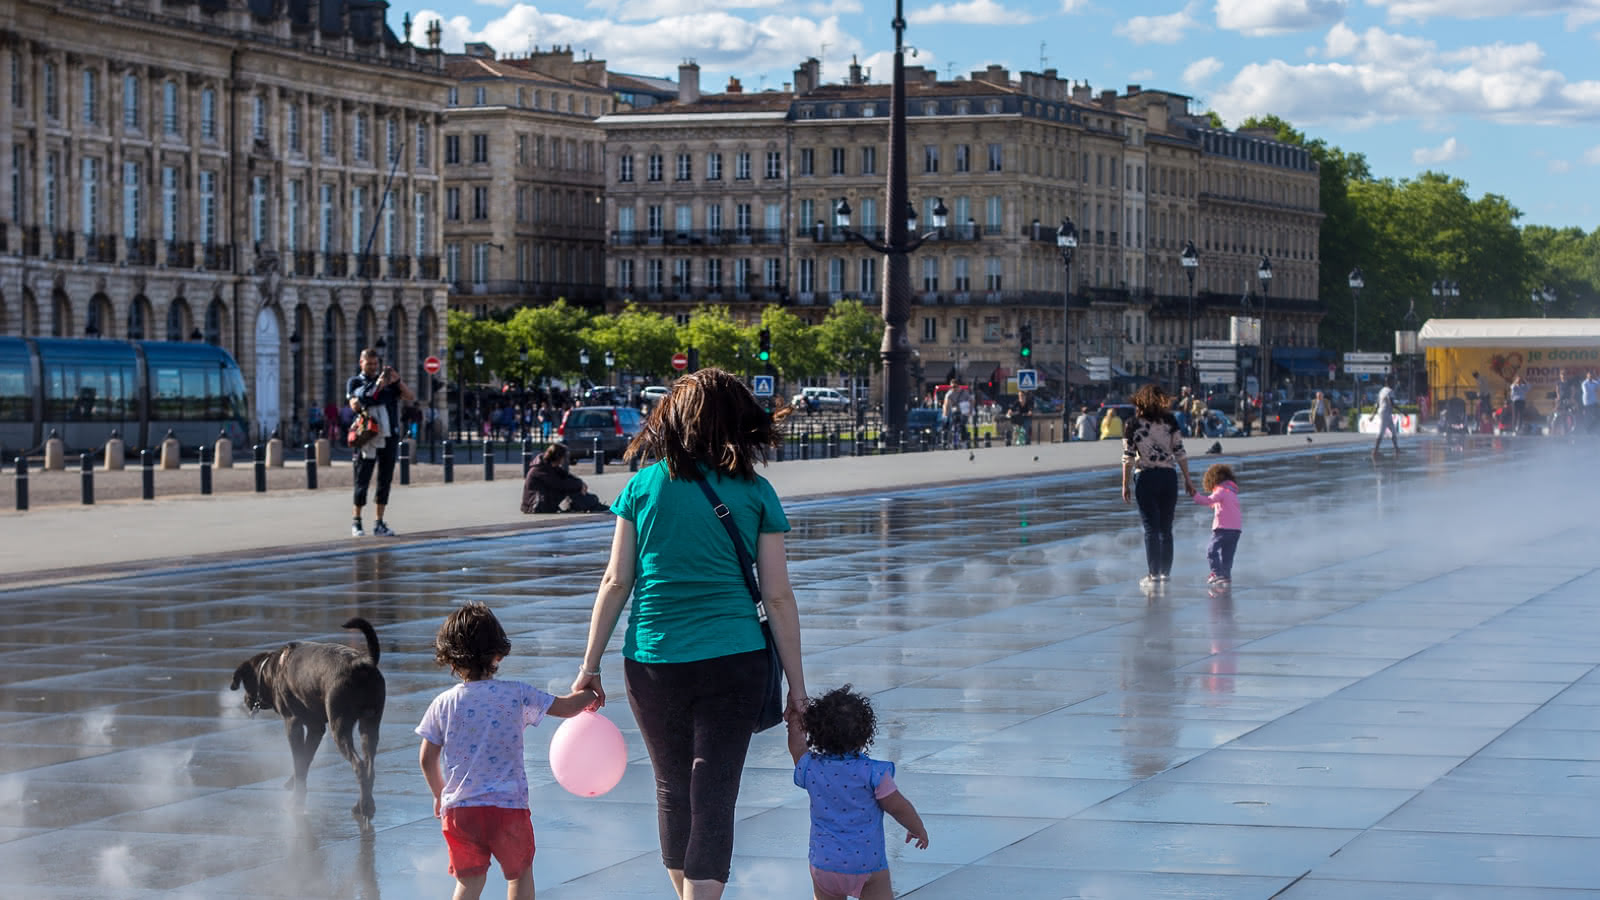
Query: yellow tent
x,y
1501,349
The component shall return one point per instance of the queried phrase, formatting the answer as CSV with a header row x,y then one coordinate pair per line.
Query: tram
x,y
85,388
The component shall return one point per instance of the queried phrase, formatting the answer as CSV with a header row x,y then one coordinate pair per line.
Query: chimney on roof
x,y
808,76
1133,89
480,50
688,82
1155,118
855,71
1108,99
734,87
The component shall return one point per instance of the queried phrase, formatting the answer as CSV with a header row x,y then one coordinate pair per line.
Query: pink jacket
x,y
1224,503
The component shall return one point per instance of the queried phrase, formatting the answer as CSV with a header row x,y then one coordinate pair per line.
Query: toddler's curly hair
x,y
840,722
469,641
1217,474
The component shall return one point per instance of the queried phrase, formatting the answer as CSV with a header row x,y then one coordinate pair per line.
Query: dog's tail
x,y
371,635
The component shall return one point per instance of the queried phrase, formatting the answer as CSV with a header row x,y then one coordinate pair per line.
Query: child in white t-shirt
x,y
472,754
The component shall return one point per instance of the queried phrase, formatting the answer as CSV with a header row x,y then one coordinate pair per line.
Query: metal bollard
x,y
858,444
449,462
527,455
311,466
205,470
488,460
147,466
86,465
805,445
599,458
405,462
260,452
633,463
22,483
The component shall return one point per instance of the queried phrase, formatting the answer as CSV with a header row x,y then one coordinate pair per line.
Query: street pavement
x,y
1397,701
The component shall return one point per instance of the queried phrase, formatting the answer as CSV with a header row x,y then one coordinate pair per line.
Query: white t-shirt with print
x,y
1386,401
479,725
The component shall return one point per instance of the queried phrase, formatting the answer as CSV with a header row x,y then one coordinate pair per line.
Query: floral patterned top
x,y
1153,445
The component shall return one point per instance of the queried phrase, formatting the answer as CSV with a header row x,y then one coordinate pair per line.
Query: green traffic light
x,y
1027,351
765,356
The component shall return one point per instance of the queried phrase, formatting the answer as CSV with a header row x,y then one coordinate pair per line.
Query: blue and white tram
x,y
83,389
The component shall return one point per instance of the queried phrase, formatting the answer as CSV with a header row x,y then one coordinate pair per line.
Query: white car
x,y
1300,423
814,399
654,393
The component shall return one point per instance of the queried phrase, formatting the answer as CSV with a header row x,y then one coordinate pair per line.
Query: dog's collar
x,y
255,703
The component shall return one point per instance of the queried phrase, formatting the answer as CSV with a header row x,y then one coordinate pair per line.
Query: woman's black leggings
x,y
1156,491
696,719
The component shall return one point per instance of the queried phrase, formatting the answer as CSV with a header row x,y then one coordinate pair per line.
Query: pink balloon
x,y
588,754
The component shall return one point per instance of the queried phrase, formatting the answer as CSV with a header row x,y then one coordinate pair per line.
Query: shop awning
x,y
1505,332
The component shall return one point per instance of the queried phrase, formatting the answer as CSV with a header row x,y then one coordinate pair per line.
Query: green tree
x,y
467,336
722,343
795,352
642,341
552,335
1565,261
851,336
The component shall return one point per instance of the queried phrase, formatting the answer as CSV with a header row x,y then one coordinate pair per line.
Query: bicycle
x,y
1564,421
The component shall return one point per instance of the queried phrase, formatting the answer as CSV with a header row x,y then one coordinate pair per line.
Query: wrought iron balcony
x,y
142,252
335,265
399,267
428,268
63,245
366,265
99,248
303,263
30,240
219,257
180,254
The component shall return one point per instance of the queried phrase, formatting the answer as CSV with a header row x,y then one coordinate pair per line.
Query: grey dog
x,y
314,686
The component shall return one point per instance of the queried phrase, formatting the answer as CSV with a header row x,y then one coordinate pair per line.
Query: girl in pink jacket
x,y
1221,493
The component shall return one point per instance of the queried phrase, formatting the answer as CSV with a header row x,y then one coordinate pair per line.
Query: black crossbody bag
x,y
771,712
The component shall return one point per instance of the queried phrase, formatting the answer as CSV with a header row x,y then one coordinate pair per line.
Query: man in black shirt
x,y
380,393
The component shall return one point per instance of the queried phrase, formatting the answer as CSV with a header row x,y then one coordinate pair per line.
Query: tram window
x,y
16,397
234,396
202,390
167,398
88,393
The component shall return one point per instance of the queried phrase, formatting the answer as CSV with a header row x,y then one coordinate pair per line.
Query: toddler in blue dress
x,y
850,792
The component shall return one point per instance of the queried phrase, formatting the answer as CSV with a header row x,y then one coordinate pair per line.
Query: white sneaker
x,y
1149,583
1163,579
356,530
381,530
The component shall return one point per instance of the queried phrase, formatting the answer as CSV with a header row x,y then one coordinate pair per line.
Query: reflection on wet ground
x,y
1404,677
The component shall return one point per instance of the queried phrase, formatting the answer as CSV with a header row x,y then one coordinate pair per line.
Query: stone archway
x,y
216,315
179,319
139,319
60,314
29,326
268,370
332,365
101,319
395,334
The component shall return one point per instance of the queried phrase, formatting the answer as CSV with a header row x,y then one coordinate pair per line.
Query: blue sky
x,y
1508,101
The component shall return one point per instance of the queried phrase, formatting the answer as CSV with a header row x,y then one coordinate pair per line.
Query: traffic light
x,y
1025,336
765,354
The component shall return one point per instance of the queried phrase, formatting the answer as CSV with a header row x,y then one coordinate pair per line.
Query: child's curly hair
x,y
840,722
1217,474
469,641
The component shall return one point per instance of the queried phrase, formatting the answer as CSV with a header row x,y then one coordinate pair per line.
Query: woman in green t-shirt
x,y
694,658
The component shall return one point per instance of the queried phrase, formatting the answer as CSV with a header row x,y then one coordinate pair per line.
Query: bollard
x,y
599,458
488,460
205,471
311,466
805,445
171,452
116,453
86,466
259,451
988,440
633,463
449,462
222,455
55,453
147,473
275,451
324,452
405,462
22,484
527,455
859,444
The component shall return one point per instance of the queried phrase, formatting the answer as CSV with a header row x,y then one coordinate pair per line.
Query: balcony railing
x,y
696,237
30,240
303,263
366,265
428,268
99,248
219,257
399,267
180,254
63,245
142,252
335,265
4,246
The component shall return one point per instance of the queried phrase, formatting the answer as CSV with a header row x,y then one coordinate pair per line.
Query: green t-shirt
x,y
689,597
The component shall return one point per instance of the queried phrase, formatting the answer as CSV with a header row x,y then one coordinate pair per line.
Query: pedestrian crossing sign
x,y
1027,379
761,385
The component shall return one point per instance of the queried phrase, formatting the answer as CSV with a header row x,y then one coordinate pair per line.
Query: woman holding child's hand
x,y
694,657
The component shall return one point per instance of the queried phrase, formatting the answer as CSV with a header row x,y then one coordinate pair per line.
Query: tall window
x,y
422,144
653,167
480,148
208,208
991,276
713,166
685,169
208,114
835,275
291,224
683,218
625,219
452,263
652,220
169,107
419,220
391,141
453,97
389,233
807,213
806,275
930,158
713,273
363,140
328,225
837,166
741,275
132,202
292,114
652,275
869,160
169,203
522,203
869,212
91,97
995,214
130,102
18,155
997,159
930,275
963,158
741,218
52,189
741,166
714,217
89,193
260,210
625,168
774,271
480,96
773,218
963,275
452,149
452,204
869,275
16,80
258,117
625,274
774,164
480,203
681,281
327,132
52,91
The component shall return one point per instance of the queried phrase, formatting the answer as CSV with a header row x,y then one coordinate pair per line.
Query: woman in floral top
x,y
1152,452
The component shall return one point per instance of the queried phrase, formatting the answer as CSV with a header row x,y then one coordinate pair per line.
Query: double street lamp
x,y
1264,275
1066,242
1444,293
1357,282
1191,263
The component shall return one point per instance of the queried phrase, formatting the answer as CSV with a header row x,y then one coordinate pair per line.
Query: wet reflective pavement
x,y
1398,701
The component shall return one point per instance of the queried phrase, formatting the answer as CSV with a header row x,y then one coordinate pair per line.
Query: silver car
x,y
615,426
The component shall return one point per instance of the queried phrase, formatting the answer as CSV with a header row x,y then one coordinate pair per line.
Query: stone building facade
x,y
260,176
1010,158
524,171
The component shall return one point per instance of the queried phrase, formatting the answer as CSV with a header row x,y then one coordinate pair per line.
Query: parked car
x,y
615,426
605,395
922,420
816,399
1278,413
1300,422
654,393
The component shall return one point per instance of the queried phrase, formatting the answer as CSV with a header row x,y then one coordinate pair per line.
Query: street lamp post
x,y
1191,263
522,418
294,383
1543,297
583,365
1444,293
461,390
1406,342
1264,275
1067,242
611,361
1356,284
477,369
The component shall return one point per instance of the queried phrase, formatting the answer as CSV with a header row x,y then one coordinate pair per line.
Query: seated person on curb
x,y
551,487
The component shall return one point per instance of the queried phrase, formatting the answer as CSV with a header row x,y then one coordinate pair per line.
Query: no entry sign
x,y
431,365
680,361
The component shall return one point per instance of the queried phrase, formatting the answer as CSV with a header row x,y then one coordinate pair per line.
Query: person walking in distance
x,y
1385,414
1518,393
377,390
1319,412
1153,454
1591,401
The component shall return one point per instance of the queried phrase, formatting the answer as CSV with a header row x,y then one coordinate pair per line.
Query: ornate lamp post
x,y
1264,275
1543,298
1444,293
477,370
1356,284
611,361
1405,343
1191,263
294,380
461,389
1067,242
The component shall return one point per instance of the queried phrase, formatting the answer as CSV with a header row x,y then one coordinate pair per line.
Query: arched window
x,y
177,319
214,313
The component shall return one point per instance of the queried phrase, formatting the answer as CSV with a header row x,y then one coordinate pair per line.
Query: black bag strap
x,y
746,564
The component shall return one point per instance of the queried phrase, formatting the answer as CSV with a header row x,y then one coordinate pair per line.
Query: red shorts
x,y
474,833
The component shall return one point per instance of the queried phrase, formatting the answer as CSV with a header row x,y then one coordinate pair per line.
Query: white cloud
x,y
1259,18
1142,75
1558,167
1068,7
972,12
1393,76
1446,152
1591,156
1201,70
1577,12
1167,29
719,41
1341,41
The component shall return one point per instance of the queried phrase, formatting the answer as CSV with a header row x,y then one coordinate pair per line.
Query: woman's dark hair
x,y
709,417
840,722
1151,404
469,642
554,455
1217,474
